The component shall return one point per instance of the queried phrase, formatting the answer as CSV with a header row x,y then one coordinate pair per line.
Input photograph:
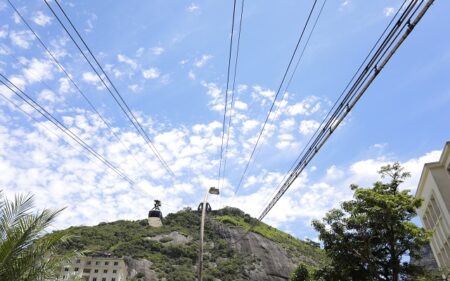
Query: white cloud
x,y
193,8
308,106
249,125
151,73
286,141
308,126
16,18
202,61
41,19
240,105
215,94
191,75
287,125
49,96
157,50
388,11
22,38
38,70
64,85
140,52
93,79
134,88
345,4
3,32
127,60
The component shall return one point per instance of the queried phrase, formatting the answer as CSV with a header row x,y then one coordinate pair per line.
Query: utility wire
x,y
69,77
232,93
399,21
287,87
275,98
116,94
379,60
31,102
226,94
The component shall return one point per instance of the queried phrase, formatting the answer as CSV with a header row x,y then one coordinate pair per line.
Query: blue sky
x,y
169,61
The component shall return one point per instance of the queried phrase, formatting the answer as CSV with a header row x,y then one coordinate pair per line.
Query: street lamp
x,y
214,191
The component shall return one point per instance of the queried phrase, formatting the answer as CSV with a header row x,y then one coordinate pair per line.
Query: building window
x,y
116,263
106,262
76,269
104,279
97,263
105,271
113,279
95,270
114,271
88,262
87,270
94,279
66,269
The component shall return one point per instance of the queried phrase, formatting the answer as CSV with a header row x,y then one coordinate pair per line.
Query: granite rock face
x,y
274,264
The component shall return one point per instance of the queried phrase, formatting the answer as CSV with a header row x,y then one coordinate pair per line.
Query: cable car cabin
x,y
155,215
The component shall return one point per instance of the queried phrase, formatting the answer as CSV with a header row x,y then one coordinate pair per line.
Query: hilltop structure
x,y
434,189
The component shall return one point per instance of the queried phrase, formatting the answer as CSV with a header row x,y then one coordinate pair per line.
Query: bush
x,y
301,273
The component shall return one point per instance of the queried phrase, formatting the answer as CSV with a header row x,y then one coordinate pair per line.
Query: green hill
x,y
264,254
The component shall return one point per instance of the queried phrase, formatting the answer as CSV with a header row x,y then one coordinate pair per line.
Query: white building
x,y
96,269
434,189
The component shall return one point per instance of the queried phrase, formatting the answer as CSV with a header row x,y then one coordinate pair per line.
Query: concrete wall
x,y
434,189
95,269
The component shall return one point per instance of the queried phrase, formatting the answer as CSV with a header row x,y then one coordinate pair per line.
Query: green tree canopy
x,y
371,236
301,273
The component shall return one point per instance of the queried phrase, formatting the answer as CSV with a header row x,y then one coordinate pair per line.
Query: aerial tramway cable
x,y
114,93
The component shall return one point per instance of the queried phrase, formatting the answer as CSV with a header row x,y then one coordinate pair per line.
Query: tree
x,y
24,253
371,236
301,273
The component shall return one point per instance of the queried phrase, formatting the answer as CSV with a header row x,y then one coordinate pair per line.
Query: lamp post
x,y
215,191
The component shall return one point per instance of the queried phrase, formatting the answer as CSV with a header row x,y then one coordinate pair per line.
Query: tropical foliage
x,y
24,253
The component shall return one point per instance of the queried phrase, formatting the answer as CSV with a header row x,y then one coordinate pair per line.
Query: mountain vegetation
x,y
172,249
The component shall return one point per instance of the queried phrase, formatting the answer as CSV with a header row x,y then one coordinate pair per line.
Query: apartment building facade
x,y
95,268
434,189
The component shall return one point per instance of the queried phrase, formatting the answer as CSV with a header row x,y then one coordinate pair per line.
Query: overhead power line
x,y
114,92
275,98
41,110
233,87
393,40
226,93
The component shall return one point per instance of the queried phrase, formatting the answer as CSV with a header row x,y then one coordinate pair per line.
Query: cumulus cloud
x,y
193,8
388,11
151,73
41,19
306,107
157,50
308,126
127,60
93,79
38,70
200,62
22,38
